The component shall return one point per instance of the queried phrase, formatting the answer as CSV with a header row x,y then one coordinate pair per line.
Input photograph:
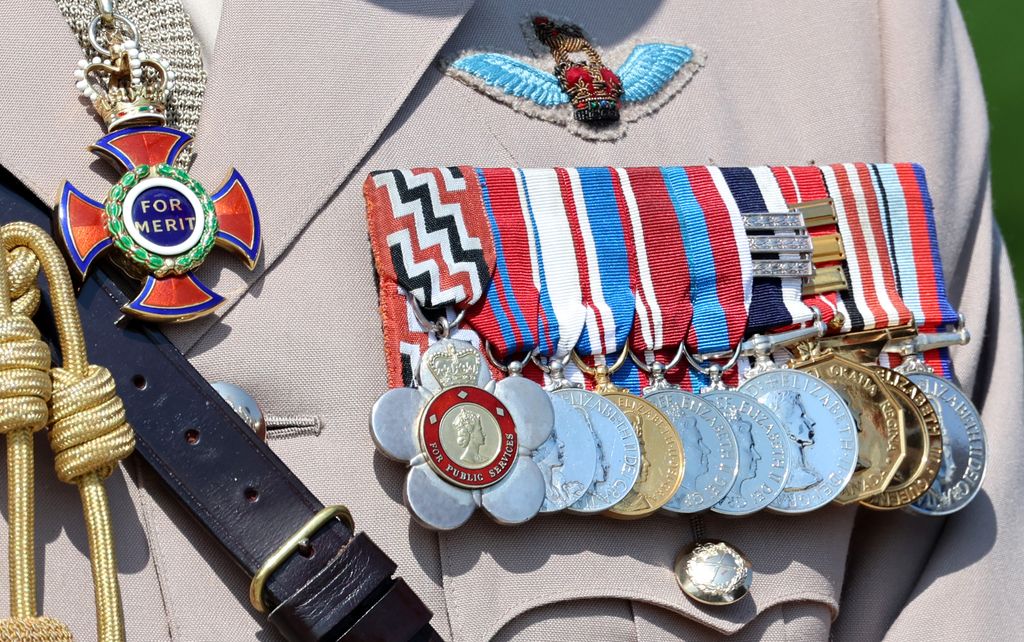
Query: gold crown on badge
x,y
129,87
452,366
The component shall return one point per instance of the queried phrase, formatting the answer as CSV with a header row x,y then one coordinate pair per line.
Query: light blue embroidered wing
x,y
649,68
514,77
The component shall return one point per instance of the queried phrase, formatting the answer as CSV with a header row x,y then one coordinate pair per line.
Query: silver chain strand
x,y
164,28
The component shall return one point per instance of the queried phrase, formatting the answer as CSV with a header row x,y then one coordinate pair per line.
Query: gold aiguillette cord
x,y
88,432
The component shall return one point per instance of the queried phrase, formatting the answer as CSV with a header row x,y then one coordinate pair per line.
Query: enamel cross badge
x,y
157,222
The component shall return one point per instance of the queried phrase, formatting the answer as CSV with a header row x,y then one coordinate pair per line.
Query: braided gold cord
x,y
34,629
88,433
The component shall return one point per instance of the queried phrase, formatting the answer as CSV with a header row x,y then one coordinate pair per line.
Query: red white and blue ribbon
x,y
508,316
775,302
592,198
661,275
871,299
914,247
717,256
555,267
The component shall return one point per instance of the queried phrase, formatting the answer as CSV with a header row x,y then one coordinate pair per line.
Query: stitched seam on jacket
x,y
519,609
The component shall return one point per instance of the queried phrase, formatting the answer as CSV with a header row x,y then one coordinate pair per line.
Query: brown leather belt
x,y
315,576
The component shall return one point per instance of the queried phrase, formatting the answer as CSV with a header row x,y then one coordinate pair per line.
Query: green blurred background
x,y
995,25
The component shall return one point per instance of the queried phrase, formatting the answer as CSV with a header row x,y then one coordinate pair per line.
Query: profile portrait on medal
x,y
602,467
556,327
800,428
750,458
550,457
698,455
469,435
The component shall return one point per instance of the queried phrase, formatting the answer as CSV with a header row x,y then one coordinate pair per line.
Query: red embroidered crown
x,y
593,88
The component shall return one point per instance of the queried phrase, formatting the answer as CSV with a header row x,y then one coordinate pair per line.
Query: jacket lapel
x,y
297,93
47,125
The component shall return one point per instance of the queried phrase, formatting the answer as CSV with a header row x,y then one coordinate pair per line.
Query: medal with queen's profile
x,y
821,434
467,439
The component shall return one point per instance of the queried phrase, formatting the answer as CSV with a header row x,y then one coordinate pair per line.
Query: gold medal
x,y
921,427
879,418
661,451
924,444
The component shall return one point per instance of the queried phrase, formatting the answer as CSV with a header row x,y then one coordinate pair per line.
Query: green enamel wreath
x,y
159,266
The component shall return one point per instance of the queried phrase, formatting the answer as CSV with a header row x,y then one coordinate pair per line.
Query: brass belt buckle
x,y
259,581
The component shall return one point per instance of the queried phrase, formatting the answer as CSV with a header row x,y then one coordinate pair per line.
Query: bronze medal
x,y
661,457
924,444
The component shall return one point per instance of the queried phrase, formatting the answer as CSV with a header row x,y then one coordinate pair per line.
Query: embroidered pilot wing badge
x,y
581,91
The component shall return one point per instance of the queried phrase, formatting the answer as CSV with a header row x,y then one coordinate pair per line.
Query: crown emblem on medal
x,y
593,88
128,88
157,223
453,366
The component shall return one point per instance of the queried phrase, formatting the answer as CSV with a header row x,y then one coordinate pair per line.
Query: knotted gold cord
x,y
88,430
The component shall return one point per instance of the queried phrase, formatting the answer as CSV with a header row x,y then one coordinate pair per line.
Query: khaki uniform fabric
x,y
305,98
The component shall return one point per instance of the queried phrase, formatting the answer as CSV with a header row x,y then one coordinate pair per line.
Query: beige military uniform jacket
x,y
306,97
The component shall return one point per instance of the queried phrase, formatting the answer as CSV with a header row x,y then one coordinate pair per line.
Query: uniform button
x,y
713,572
243,404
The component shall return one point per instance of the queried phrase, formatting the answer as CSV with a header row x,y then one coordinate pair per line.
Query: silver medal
x,y
467,440
709,448
617,462
763,448
567,459
822,436
964,448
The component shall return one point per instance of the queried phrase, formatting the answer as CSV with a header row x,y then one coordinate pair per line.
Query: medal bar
x,y
764,270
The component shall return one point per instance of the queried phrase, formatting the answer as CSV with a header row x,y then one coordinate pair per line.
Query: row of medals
x,y
829,426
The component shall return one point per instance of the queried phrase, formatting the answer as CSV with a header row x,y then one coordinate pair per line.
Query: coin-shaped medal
x,y
763,448
567,459
661,458
964,448
709,449
924,444
877,416
822,436
618,450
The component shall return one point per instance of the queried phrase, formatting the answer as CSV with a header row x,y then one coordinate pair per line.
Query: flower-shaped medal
x,y
467,439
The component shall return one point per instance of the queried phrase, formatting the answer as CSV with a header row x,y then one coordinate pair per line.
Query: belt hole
x,y
192,436
252,495
139,382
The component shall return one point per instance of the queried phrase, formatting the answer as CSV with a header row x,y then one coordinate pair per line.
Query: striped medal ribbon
x,y
661,273
433,254
800,185
776,302
590,466
780,304
594,204
586,213
511,323
508,317
957,468
909,223
718,259
872,300
953,468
